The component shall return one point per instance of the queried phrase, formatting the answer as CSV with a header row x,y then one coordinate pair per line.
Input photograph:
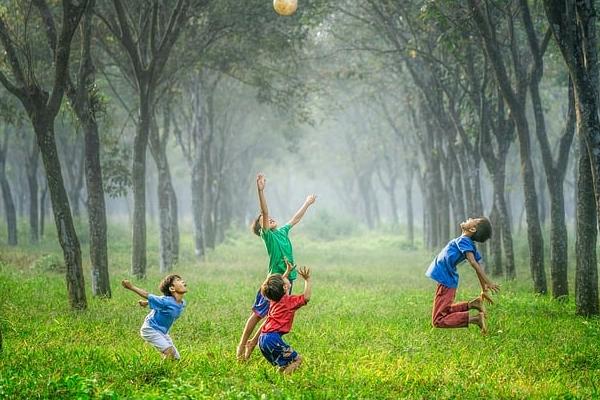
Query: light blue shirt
x,y
443,267
164,310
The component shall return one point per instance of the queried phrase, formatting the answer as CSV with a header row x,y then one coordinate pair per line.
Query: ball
x,y
285,7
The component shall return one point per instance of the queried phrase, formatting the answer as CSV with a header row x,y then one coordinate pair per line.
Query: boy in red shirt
x,y
279,321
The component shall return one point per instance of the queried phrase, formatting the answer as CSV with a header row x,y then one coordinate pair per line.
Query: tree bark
x,y
33,157
138,252
62,212
167,200
9,205
586,272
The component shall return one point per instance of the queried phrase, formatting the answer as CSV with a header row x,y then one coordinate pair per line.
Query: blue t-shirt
x,y
164,310
443,267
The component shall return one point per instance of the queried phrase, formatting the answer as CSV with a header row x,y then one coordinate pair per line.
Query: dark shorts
x,y
275,350
261,303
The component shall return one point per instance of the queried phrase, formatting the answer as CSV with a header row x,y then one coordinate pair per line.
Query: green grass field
x,y
366,333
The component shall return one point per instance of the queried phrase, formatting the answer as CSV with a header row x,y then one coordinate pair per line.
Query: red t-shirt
x,y
281,313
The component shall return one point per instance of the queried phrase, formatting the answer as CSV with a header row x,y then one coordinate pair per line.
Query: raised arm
x,y
264,211
484,281
300,213
289,267
304,272
128,285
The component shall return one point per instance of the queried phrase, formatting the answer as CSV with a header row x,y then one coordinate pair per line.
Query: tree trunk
x,y
32,181
409,210
505,221
197,202
586,273
67,236
9,205
496,242
43,201
96,212
138,254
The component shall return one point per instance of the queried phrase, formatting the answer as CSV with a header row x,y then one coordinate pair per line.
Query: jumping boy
x,y
164,310
446,313
280,318
278,247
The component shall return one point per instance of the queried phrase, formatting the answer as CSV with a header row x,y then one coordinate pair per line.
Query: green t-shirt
x,y
278,245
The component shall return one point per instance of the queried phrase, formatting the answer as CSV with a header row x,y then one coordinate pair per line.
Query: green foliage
x,y
366,333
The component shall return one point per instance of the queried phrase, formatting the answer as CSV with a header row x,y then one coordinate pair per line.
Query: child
x,y
443,270
164,310
278,247
279,320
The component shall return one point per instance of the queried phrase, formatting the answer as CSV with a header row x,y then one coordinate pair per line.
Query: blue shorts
x,y
261,303
275,350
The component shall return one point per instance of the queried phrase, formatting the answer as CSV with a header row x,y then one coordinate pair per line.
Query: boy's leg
x,y
480,321
248,328
445,313
477,304
251,344
260,308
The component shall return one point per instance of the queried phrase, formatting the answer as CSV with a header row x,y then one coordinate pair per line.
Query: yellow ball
x,y
285,7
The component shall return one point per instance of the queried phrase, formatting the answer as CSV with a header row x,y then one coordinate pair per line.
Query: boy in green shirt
x,y
279,248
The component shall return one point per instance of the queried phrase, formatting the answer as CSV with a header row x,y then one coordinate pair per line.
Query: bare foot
x,y
486,297
250,345
483,323
477,303
291,367
239,353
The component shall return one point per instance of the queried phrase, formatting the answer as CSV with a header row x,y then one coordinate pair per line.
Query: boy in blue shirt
x,y
446,313
164,310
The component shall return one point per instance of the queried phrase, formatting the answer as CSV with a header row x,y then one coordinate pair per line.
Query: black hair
x,y
483,230
166,283
272,287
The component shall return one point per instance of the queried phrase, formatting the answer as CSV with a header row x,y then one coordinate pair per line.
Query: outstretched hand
x,y
485,297
493,287
126,284
260,181
310,199
304,272
289,267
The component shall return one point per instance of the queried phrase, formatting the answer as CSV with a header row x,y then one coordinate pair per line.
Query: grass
x,y
366,333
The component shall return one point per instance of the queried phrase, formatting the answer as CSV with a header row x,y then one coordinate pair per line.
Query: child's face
x,y
178,286
272,223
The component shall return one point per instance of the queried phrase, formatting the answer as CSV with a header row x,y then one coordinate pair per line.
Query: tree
x,y
42,106
148,41
515,98
86,102
573,24
7,197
